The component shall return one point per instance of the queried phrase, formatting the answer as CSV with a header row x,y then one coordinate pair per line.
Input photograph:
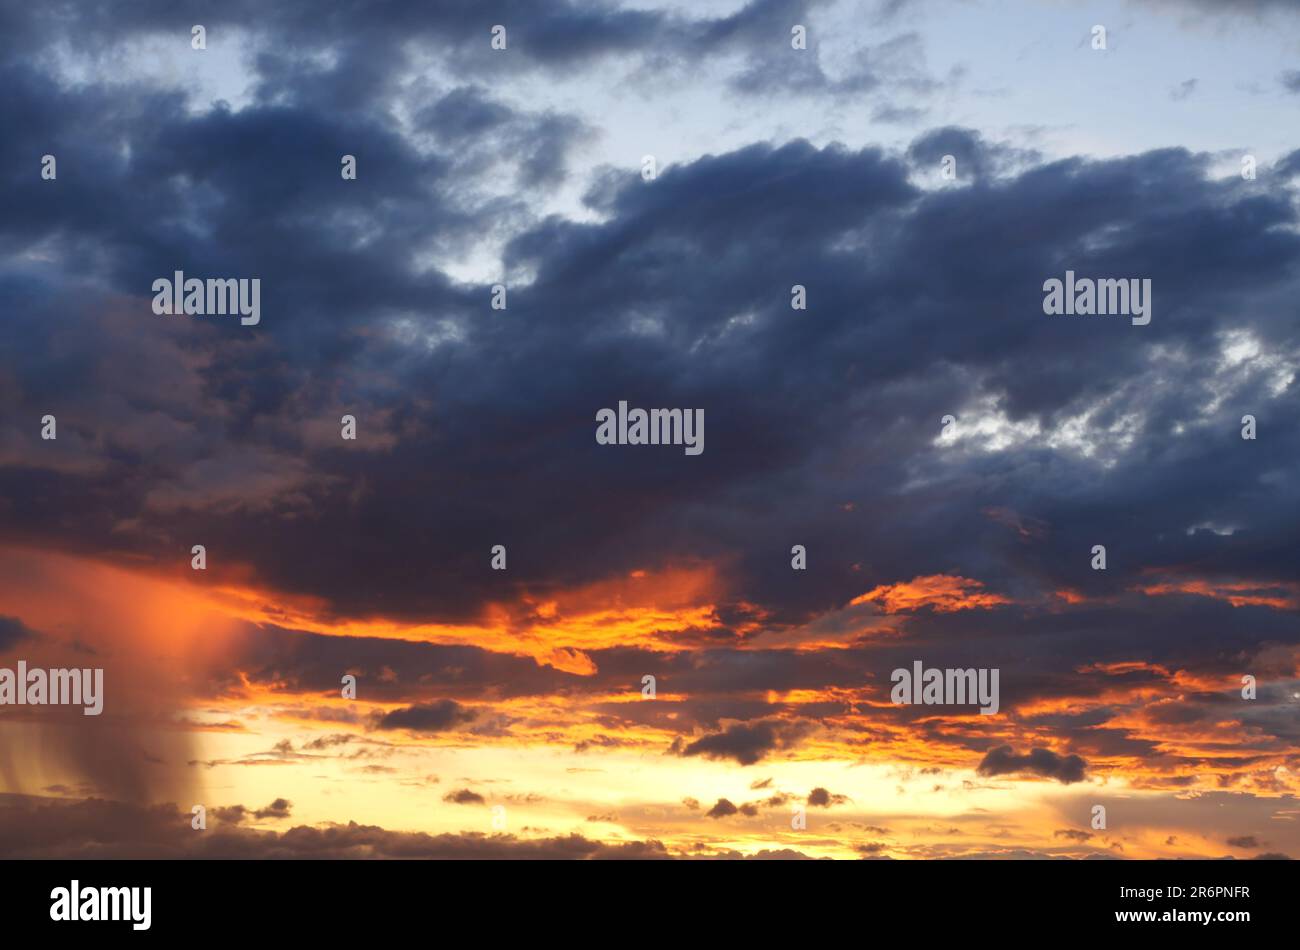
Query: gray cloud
x,y
1042,762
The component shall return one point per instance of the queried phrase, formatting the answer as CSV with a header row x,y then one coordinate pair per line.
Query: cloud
x,y
464,796
1041,762
745,743
96,829
925,301
235,814
823,199
1072,834
940,592
277,809
437,716
974,158
821,798
721,809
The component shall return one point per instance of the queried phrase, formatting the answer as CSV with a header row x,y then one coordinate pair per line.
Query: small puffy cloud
x,y
746,743
722,809
1041,762
821,798
436,716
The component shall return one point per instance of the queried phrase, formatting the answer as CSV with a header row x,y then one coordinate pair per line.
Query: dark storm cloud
x,y
360,52
554,34
477,427
470,410
1043,762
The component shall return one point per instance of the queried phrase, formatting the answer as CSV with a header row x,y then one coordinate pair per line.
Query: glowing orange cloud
x,y
654,608
1281,596
945,593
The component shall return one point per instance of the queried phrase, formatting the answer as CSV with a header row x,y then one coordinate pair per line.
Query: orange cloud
x,y
570,661
1281,596
945,593
651,608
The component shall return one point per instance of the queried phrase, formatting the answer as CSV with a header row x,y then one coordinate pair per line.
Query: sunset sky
x,y
501,713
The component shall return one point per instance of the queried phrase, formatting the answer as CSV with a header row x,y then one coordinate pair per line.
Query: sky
x,y
683,655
